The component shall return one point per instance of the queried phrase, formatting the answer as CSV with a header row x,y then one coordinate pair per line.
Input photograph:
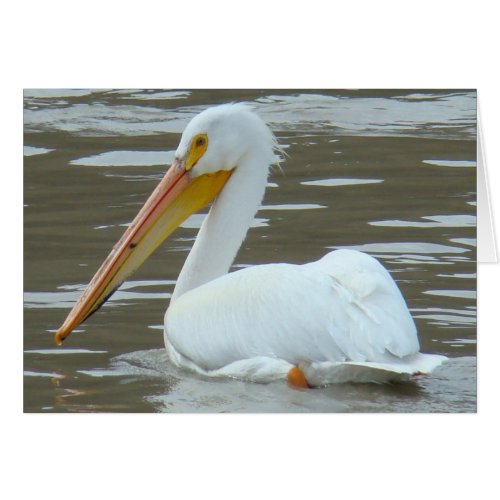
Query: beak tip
x,y
59,337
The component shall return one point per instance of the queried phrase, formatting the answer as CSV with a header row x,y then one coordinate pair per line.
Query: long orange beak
x,y
176,197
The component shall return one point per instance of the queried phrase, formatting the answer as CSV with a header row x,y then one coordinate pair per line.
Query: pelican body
x,y
339,319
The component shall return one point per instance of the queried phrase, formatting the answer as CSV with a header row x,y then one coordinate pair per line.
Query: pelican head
x,y
214,145
220,137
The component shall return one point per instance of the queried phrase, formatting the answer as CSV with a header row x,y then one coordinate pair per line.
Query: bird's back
x,y
344,307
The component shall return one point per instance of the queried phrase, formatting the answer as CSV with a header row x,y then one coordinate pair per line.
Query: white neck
x,y
225,226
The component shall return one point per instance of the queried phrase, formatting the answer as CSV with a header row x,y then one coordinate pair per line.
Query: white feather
x,y
339,319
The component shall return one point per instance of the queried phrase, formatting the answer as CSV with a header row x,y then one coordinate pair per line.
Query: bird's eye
x,y
200,141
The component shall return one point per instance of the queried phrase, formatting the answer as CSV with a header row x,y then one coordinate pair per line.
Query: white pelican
x,y
341,318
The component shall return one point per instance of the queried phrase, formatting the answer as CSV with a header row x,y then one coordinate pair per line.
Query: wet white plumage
x,y
339,319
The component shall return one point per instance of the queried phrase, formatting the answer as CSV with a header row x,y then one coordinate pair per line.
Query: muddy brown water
x,y
392,173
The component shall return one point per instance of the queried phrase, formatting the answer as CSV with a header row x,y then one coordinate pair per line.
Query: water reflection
x,y
31,151
451,163
340,182
459,220
126,158
381,116
400,248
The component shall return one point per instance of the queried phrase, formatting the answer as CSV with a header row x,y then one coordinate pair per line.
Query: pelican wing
x,y
379,321
344,308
